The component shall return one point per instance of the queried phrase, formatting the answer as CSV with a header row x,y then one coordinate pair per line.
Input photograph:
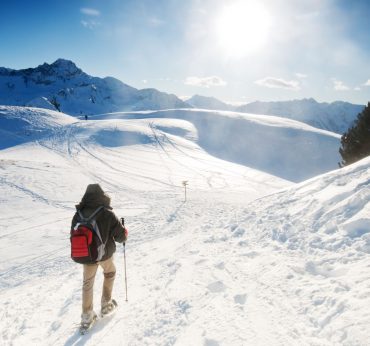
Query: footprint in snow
x,y
211,342
240,299
220,265
217,287
183,306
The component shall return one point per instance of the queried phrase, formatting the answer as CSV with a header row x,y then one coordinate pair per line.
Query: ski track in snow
x,y
238,263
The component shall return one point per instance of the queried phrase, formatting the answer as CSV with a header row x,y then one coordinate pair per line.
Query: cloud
x,y
357,88
205,82
339,85
367,83
271,82
90,24
145,81
90,11
301,75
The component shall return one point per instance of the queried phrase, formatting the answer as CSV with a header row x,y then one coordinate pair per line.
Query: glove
x,y
126,232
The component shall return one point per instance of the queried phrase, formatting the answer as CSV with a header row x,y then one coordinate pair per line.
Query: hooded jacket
x,y
109,225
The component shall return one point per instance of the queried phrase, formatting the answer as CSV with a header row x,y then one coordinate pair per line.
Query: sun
x,y
241,28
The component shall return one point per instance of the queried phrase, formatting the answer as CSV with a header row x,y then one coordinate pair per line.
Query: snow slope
x,y
20,124
283,147
248,259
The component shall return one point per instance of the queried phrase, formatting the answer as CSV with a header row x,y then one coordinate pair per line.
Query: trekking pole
x,y
124,257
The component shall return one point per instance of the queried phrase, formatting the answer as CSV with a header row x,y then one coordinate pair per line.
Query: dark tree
x,y
55,103
355,143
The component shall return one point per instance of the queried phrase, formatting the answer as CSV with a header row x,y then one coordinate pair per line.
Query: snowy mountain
x,y
248,259
63,86
204,102
335,117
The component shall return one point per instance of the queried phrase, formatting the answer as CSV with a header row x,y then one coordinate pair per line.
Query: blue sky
x,y
236,50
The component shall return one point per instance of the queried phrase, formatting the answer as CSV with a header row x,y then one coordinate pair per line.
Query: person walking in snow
x,y
111,230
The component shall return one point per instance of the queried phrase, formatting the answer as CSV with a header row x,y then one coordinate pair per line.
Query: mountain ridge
x,y
67,88
336,116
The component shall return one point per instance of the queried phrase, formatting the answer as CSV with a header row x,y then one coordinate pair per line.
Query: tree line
x,y
355,143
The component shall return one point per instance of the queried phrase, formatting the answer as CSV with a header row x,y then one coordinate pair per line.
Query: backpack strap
x,y
91,216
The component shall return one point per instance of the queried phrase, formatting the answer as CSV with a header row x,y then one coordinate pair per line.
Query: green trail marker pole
x,y
185,183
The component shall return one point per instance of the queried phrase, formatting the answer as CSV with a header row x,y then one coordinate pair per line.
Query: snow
x,y
249,259
41,102
282,147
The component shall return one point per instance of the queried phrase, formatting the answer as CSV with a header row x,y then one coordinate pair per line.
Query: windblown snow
x,y
250,258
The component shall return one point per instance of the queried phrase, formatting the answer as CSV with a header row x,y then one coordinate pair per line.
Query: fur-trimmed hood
x,y
94,197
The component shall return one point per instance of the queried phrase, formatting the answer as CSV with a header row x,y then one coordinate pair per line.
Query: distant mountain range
x,y
336,117
206,102
65,87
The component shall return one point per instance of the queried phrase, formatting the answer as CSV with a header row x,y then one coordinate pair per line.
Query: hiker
x,y
111,230
86,117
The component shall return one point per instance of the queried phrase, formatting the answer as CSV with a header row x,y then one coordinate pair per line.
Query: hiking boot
x,y
87,320
108,307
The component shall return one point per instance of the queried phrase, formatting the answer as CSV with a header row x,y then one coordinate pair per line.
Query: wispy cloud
x,y
339,85
271,82
90,11
90,24
367,83
205,82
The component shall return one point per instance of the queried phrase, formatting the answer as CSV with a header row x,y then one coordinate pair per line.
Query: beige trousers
x,y
109,270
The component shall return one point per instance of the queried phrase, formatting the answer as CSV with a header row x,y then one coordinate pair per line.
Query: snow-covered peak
x,y
60,67
114,83
206,102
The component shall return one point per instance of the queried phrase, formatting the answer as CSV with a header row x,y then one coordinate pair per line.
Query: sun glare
x,y
242,28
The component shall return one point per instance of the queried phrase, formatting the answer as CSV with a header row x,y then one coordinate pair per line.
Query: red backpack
x,y
87,245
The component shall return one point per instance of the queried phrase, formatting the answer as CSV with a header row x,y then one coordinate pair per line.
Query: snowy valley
x,y
271,246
